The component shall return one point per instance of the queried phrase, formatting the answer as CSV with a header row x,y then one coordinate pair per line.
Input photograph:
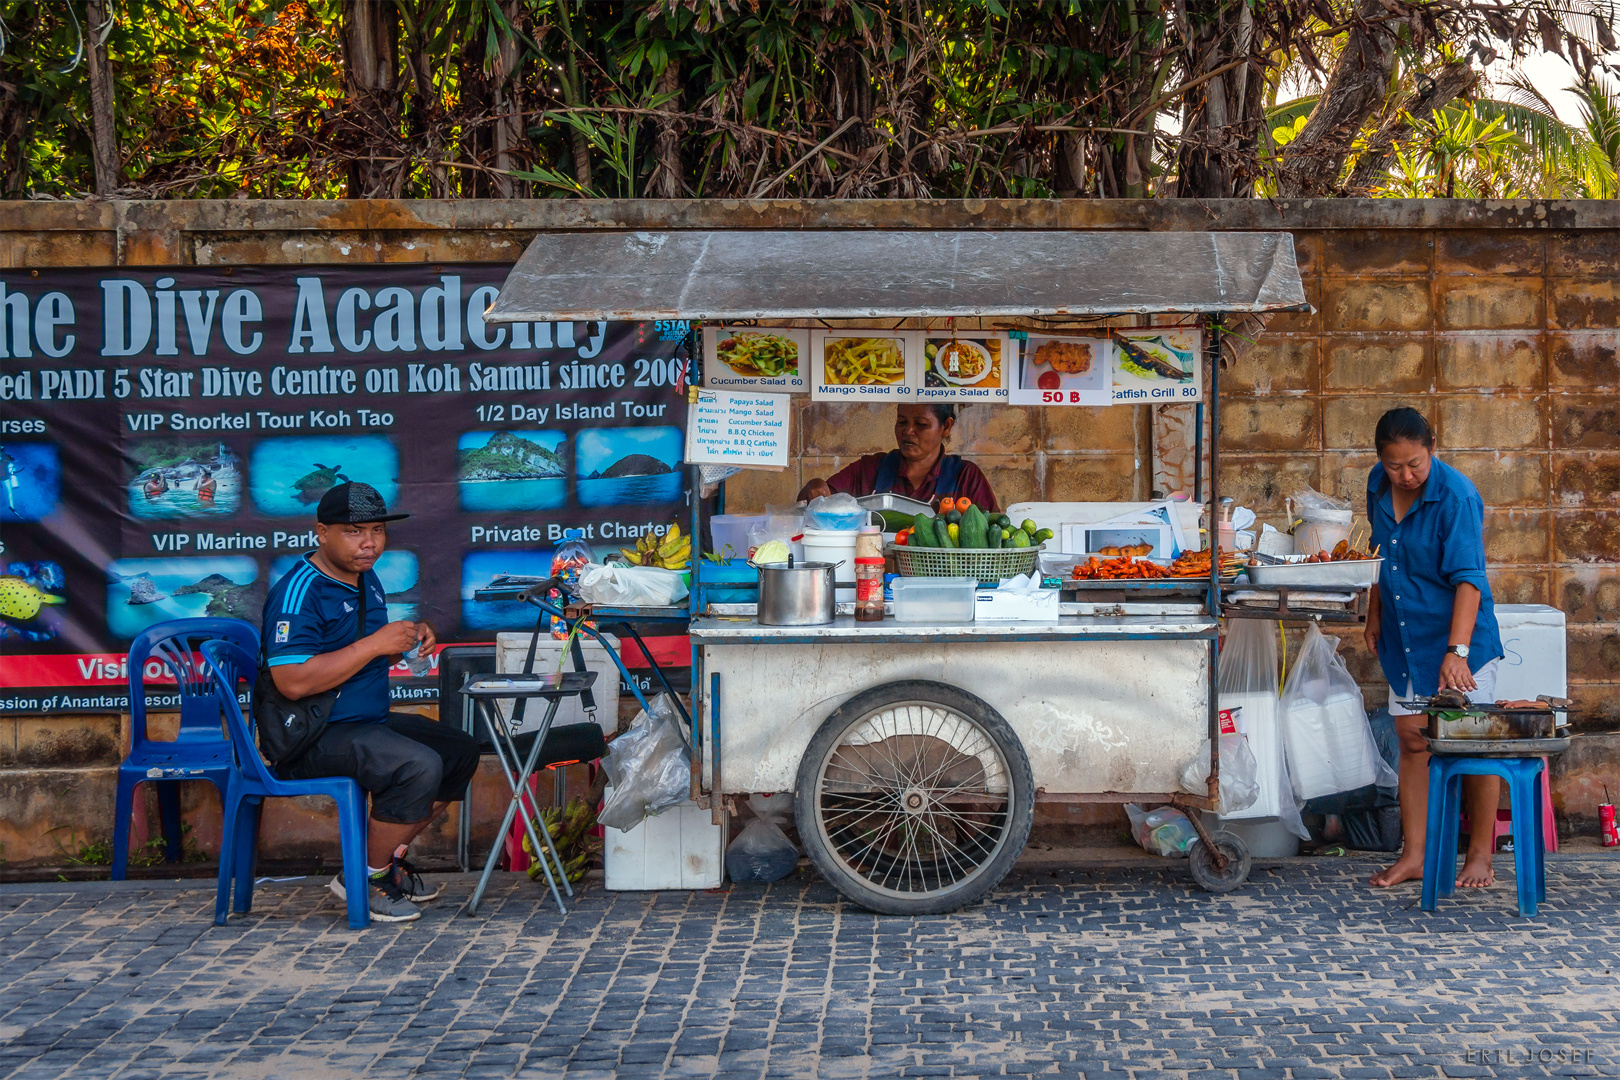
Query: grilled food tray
x,y
1499,748
1355,572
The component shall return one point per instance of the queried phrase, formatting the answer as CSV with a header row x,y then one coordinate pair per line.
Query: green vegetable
x,y
1020,539
992,538
953,517
1044,535
1002,519
945,540
974,526
1030,527
922,532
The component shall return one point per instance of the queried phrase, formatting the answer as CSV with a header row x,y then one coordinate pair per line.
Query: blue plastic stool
x,y
199,752
1445,805
252,782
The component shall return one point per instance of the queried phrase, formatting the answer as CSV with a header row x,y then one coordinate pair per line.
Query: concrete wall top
x,y
150,232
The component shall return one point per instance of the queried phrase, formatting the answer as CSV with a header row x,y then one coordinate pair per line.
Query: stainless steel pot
x,y
796,594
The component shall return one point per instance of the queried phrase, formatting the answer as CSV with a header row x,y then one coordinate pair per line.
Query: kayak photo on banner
x,y
512,470
161,462
183,479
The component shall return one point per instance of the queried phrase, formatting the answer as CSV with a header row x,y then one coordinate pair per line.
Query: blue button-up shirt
x,y
1439,545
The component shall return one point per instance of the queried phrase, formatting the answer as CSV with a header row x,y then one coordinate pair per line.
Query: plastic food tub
x,y
733,529
940,600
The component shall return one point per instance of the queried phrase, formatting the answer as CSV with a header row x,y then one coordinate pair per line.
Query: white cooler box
x,y
512,649
1533,661
681,848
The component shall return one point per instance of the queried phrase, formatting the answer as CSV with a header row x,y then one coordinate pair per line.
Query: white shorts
x,y
1484,691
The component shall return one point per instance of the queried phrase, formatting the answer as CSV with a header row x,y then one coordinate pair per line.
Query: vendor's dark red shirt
x,y
860,477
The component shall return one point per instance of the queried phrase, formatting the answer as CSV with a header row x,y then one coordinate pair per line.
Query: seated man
x,y
413,767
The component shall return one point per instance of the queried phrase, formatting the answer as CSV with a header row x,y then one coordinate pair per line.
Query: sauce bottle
x,y
869,574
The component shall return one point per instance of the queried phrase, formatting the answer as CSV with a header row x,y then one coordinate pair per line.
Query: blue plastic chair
x,y
1445,805
252,782
199,752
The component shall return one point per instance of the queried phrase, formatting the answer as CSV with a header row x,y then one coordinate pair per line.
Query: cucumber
x,y
1020,539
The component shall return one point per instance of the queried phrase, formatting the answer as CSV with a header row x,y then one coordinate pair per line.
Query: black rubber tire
x,y
1202,863
998,860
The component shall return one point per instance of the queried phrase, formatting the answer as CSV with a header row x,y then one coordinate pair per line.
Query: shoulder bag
x,y
288,728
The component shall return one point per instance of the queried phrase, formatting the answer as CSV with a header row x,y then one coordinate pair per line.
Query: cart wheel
x,y
914,798
1201,861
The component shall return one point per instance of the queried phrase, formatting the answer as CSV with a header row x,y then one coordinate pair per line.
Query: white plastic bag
x,y
648,768
1329,743
1165,831
1247,680
630,586
839,512
762,852
1240,783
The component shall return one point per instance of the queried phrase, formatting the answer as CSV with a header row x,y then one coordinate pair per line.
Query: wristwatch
x,y
1458,650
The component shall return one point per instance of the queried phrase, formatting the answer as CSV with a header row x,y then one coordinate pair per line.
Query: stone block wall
x,y
1501,321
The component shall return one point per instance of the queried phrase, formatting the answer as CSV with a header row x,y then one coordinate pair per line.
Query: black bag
x,y
288,728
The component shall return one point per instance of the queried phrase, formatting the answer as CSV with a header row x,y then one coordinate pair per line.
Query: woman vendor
x,y
1431,621
918,469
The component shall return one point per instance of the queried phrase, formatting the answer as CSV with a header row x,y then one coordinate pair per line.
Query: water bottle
x,y
420,663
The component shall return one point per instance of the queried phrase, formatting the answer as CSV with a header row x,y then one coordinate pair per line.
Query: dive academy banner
x,y
165,436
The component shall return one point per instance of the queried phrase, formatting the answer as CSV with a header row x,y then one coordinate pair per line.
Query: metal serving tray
x,y
1499,748
888,500
1357,572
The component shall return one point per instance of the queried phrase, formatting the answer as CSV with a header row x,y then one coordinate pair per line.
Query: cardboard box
x,y
999,605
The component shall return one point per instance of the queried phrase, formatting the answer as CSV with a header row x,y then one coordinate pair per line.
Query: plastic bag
x,y
1247,682
1308,498
762,852
1240,782
630,586
837,512
1165,831
1329,744
648,768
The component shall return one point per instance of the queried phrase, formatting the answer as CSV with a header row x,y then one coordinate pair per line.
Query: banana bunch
x,y
670,550
568,828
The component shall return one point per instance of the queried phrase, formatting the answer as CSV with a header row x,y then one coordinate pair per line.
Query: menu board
x,y
1156,366
746,431
753,358
970,366
1063,369
865,365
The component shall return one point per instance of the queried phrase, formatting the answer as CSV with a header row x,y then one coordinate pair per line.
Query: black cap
x,y
353,503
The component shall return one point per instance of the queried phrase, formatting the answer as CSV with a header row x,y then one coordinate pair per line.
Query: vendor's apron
x,y
950,467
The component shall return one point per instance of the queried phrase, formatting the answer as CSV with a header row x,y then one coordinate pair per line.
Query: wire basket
x,y
989,565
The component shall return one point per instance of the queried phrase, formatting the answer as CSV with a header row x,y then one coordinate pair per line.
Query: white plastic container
x,y
939,600
511,649
733,529
834,546
1321,530
681,848
1534,652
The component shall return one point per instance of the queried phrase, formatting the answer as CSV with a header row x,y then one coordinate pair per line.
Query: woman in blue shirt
x,y
1431,621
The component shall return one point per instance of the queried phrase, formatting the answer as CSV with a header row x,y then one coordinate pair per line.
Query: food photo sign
x,y
1064,369
1151,366
865,365
750,358
972,366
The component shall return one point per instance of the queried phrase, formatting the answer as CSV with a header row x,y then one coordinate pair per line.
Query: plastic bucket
x,y
831,546
1320,530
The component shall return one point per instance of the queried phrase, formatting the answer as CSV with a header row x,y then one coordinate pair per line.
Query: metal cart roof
x,y
892,273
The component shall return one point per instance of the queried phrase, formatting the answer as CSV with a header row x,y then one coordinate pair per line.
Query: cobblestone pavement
x,y
1120,971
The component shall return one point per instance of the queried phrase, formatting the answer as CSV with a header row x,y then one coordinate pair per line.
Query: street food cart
x,y
917,753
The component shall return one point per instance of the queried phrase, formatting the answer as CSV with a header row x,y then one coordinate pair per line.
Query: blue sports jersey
x,y
308,614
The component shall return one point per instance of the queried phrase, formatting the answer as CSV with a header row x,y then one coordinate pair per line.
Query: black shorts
x,y
407,763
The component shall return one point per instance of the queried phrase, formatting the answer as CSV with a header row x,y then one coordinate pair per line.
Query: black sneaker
x,y
411,884
386,900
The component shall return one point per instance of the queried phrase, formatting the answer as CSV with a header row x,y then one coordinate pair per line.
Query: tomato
x,y
947,504
1049,380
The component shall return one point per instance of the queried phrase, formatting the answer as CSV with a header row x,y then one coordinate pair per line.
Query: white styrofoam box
x,y
1053,515
999,605
1534,661
681,848
1258,723
512,649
